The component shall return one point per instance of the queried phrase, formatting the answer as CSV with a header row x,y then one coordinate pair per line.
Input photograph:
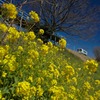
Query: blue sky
x,y
91,43
88,45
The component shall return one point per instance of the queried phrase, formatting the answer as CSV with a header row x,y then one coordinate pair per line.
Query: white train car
x,y
82,51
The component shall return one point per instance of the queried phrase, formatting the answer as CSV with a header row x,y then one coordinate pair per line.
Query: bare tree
x,y
97,53
73,17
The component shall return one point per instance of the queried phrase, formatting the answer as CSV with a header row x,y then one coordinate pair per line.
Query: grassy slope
x,y
76,62
73,59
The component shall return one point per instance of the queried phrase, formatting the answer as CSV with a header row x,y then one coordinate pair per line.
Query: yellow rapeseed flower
x,y
4,74
23,88
97,82
31,35
33,90
44,49
3,27
0,95
9,10
39,90
39,80
56,73
70,70
91,65
13,34
72,88
54,82
33,53
30,78
86,85
39,41
50,45
41,31
20,48
11,66
34,16
51,67
3,52
62,43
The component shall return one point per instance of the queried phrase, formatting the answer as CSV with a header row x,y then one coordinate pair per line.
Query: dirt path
x,y
81,56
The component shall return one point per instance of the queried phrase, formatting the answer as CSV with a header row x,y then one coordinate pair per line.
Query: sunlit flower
x,y
31,35
62,43
39,40
20,48
97,82
91,65
39,80
70,70
0,94
4,74
30,78
9,10
3,27
13,34
86,85
54,82
39,90
41,31
34,16
33,90
44,49
23,88
33,53
50,44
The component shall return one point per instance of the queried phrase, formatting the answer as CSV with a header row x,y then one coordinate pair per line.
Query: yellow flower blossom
x,y
56,73
51,67
57,91
29,61
23,88
9,10
86,85
44,49
62,43
41,31
0,95
34,16
97,94
13,34
11,66
54,82
33,90
50,44
3,27
74,80
39,90
72,89
31,35
97,82
30,78
20,48
70,70
4,74
39,80
39,41
91,65
33,53
3,52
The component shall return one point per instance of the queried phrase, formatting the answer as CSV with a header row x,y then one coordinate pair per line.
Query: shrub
x,y
97,53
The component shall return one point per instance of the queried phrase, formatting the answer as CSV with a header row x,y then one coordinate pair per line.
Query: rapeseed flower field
x,y
32,70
